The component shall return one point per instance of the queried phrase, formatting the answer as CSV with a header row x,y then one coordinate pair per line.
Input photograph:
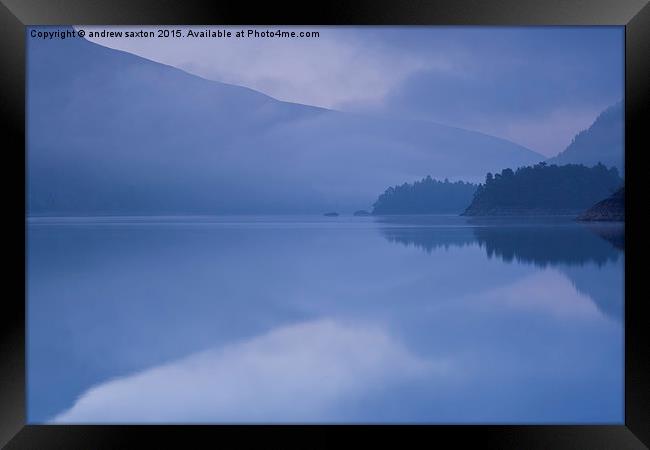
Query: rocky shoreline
x,y
611,209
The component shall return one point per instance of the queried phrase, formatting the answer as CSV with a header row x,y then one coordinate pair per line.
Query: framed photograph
x,y
270,225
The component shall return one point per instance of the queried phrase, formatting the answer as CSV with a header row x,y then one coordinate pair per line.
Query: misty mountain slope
x,y
112,133
602,142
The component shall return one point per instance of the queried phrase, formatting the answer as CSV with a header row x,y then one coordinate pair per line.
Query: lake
x,y
276,319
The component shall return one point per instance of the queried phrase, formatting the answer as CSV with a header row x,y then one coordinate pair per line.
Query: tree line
x,y
426,196
543,188
537,189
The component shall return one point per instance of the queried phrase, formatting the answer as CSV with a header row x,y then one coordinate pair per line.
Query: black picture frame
x,y
15,15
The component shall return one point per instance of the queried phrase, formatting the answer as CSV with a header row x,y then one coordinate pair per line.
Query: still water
x,y
436,319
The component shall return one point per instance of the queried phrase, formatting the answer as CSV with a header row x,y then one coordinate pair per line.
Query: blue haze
x,y
507,74
112,133
536,86
602,142
146,303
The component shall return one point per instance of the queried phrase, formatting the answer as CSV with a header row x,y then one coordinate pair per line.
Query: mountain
x,y
109,132
602,142
612,209
543,190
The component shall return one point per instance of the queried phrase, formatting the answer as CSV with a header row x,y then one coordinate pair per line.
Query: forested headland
x,y
544,189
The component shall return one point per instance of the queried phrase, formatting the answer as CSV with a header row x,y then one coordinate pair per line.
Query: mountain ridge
x,y
602,141
110,132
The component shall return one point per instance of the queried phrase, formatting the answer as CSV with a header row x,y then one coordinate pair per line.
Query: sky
x,y
535,86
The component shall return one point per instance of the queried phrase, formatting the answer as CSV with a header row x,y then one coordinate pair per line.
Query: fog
x,y
112,133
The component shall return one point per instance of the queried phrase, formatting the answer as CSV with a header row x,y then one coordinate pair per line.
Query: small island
x,y
543,189
361,213
331,214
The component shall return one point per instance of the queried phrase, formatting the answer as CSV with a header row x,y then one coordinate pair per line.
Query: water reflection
x,y
604,286
567,244
542,242
590,255
428,233
296,373
614,233
311,319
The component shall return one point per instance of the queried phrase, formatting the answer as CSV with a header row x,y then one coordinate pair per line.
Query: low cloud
x,y
334,69
535,86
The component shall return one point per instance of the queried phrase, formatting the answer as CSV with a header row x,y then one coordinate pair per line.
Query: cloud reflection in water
x,y
295,373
